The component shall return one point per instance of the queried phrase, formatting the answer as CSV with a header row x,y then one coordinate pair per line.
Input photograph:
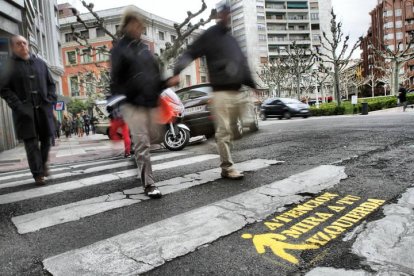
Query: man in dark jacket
x,y
135,74
29,90
228,71
402,96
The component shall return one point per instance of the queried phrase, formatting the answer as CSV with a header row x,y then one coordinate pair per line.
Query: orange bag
x,y
166,111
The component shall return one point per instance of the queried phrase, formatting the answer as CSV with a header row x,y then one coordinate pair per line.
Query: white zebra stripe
x,y
85,208
96,180
92,169
146,248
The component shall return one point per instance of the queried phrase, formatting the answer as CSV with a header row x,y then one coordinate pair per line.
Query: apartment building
x,y
392,27
266,29
82,62
37,21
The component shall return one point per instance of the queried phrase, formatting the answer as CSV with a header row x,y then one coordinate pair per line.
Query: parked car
x,y
198,117
283,108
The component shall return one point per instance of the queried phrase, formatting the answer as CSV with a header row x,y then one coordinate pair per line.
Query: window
x,y
74,86
71,58
314,6
399,35
173,38
44,48
100,32
86,56
203,79
85,34
89,84
398,24
145,31
161,35
102,53
188,80
314,16
398,12
262,37
388,13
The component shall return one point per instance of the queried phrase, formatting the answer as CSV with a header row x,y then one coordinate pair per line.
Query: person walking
x,y
30,92
402,96
135,73
118,124
87,122
228,71
79,125
67,126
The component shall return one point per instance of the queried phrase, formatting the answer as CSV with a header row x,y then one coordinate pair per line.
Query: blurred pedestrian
x,y
402,96
79,125
67,126
30,91
74,128
135,73
118,129
58,128
94,121
87,122
228,71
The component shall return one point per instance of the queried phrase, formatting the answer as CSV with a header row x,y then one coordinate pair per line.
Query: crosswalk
x,y
134,251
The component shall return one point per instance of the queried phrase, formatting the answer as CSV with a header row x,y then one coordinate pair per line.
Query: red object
x,y
114,134
166,111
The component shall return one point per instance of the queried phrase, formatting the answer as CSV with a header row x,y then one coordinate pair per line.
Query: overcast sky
x,y
354,14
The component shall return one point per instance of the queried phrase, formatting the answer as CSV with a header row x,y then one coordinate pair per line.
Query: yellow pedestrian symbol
x,y
276,244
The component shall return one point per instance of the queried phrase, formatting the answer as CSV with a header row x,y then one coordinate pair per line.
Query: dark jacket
x,y
21,78
135,73
227,65
402,94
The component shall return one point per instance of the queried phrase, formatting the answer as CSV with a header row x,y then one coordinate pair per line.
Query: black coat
x,y
227,66
20,78
135,73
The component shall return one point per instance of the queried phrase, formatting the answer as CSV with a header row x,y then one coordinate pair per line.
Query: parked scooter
x,y
173,134
176,134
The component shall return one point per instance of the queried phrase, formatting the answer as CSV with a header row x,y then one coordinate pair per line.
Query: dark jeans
x,y
87,129
37,156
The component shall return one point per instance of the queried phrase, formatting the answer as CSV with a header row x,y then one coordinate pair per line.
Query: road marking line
x,y
74,211
96,180
146,248
91,169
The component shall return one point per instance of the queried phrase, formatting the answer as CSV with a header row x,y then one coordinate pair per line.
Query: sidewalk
x,y
394,110
67,150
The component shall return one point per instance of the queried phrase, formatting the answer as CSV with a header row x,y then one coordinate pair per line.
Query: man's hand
x,y
173,81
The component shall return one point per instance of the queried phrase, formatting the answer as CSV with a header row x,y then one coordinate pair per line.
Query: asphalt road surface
x,y
311,188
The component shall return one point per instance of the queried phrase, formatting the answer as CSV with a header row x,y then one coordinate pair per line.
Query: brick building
x,y
392,26
87,68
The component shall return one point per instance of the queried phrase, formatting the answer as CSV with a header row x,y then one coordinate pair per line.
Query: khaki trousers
x,y
143,127
228,106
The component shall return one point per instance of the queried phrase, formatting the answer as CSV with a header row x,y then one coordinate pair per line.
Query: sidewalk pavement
x,y
66,150
394,110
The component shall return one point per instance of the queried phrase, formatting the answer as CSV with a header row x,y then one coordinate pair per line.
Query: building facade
x,y
37,21
392,27
266,29
86,68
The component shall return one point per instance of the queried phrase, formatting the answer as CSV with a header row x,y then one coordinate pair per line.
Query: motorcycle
x,y
173,134
177,134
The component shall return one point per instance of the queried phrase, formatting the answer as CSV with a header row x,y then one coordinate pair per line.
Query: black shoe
x,y
152,192
40,181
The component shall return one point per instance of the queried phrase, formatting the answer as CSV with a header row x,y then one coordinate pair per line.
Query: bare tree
x,y
273,74
168,54
338,55
396,59
299,61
